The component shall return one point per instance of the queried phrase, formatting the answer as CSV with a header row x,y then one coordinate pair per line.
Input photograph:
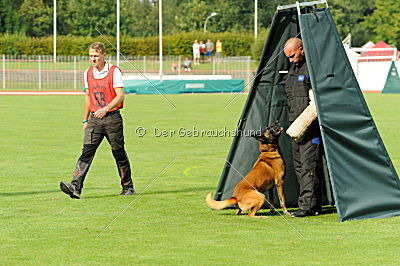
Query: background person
x,y
218,50
174,66
209,49
187,64
202,51
104,98
196,53
307,151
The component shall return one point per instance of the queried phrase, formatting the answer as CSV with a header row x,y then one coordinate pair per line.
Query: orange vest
x,y
101,91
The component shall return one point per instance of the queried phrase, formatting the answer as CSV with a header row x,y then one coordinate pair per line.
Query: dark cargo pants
x,y
111,127
307,165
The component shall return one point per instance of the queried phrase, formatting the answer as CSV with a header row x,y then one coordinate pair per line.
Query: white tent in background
x,y
368,45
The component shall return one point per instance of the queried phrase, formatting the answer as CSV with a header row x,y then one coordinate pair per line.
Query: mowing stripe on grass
x,y
137,197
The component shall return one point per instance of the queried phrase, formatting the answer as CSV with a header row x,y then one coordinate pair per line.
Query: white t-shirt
x,y
117,78
196,48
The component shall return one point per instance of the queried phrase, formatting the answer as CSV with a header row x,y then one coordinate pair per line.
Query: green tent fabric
x,y
266,104
364,181
392,84
183,86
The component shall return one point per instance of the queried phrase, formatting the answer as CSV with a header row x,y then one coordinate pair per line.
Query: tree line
x,y
364,19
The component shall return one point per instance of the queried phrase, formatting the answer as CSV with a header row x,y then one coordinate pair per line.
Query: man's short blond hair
x,y
98,46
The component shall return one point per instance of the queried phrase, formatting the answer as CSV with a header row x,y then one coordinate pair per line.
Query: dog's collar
x,y
272,154
269,148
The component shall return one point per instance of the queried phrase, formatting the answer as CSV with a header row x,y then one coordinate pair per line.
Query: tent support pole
x,y
298,8
303,4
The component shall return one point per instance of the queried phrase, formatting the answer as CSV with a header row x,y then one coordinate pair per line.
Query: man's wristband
x,y
85,121
105,109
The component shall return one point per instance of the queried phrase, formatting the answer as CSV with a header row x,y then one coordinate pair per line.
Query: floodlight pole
x,y
210,16
118,7
55,31
255,18
160,37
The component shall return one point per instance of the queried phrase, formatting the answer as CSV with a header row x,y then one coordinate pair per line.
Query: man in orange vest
x,y
104,98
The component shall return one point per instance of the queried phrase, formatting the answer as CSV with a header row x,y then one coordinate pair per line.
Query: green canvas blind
x,y
392,84
364,181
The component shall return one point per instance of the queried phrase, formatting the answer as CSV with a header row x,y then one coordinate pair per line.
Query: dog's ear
x,y
258,134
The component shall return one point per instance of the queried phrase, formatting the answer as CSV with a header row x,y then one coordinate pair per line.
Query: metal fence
x,y
40,72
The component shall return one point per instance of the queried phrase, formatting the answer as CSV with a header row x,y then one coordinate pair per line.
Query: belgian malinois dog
x,y
268,171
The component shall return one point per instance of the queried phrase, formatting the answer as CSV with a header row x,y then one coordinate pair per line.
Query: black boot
x,y
128,191
70,189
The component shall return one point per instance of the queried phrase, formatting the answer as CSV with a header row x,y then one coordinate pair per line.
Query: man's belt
x,y
110,113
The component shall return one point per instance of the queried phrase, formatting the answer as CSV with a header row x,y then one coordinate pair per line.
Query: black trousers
x,y
308,167
111,127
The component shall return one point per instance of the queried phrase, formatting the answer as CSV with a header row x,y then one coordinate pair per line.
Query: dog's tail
x,y
218,205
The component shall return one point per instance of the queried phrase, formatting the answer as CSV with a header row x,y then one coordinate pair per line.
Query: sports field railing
x,y
40,72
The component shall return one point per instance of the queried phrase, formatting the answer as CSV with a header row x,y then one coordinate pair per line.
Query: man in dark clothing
x,y
102,119
306,150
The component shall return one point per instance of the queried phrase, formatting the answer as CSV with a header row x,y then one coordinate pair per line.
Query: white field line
x,y
42,93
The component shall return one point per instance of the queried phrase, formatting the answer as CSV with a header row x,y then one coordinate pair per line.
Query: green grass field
x,y
169,223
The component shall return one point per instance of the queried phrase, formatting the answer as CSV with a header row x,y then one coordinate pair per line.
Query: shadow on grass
x,y
267,213
191,189
328,210
26,193
159,192
100,196
22,193
262,214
